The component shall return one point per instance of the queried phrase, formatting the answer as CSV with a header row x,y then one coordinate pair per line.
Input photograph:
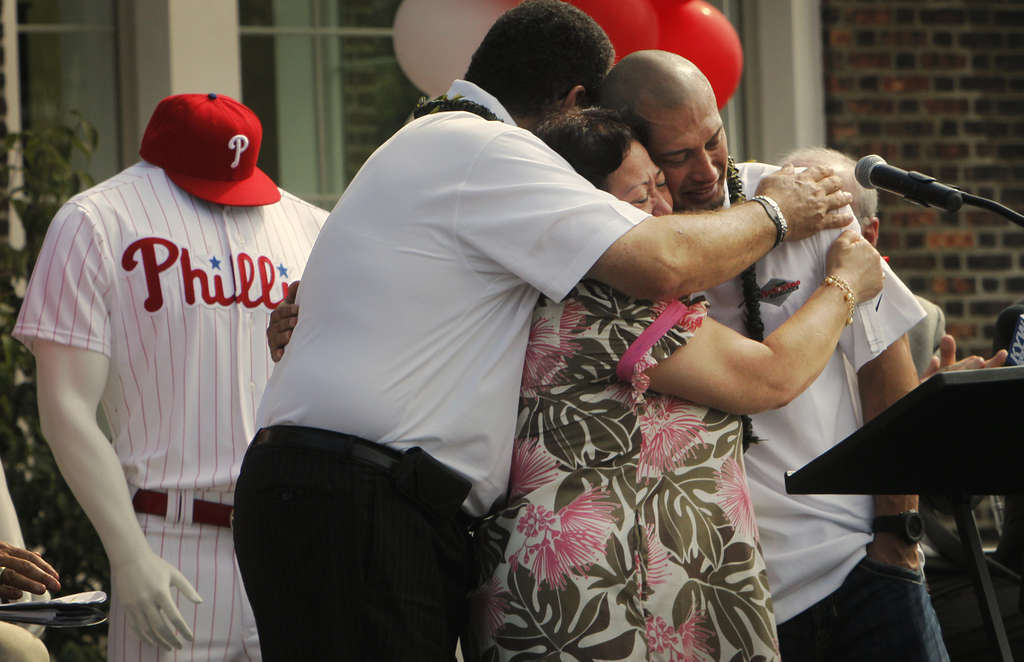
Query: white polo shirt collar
x,y
476,94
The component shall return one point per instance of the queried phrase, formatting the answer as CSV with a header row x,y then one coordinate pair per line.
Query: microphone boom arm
x,y
991,205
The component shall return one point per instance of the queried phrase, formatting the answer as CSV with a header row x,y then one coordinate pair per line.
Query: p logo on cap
x,y
208,145
238,143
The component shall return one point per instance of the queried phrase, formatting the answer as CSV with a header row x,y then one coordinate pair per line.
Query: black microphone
x,y
873,172
1009,334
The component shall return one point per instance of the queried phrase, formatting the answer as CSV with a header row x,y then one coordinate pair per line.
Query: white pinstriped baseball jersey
x,y
177,292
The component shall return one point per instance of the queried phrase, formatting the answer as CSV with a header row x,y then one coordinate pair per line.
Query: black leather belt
x,y
335,442
415,473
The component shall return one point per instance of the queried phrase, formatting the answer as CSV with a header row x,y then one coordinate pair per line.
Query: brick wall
x,y
938,87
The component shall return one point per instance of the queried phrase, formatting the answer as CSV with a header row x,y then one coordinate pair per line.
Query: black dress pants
x,y
338,565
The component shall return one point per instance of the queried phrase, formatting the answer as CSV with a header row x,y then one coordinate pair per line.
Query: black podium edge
x,y
925,390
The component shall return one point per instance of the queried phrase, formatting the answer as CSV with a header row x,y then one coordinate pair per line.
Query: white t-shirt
x,y
177,293
810,542
416,300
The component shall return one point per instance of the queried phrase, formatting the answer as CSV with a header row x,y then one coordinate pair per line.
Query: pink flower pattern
x,y
551,343
670,429
694,317
613,490
686,643
624,394
658,571
660,635
641,382
532,467
490,601
734,496
566,541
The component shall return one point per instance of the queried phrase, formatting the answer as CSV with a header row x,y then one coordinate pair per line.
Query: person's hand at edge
x,y
946,360
282,321
25,571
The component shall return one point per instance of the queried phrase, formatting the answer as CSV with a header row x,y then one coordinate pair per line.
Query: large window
x,y
66,60
322,76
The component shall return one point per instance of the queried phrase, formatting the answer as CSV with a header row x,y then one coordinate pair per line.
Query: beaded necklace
x,y
748,278
751,295
443,104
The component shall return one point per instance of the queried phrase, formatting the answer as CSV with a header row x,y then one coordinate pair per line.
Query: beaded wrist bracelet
x,y
848,295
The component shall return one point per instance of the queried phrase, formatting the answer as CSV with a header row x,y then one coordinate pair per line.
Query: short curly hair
x,y
535,53
594,141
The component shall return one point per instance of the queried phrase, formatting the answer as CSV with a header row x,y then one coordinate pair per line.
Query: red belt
x,y
203,512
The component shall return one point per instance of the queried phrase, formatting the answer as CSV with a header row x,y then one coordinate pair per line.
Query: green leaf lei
x,y
444,104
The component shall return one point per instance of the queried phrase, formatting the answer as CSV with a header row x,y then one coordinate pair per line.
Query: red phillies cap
x,y
208,145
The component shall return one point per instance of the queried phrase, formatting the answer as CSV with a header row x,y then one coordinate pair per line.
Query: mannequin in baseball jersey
x,y
150,297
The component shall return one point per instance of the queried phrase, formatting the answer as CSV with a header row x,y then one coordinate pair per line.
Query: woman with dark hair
x,y
628,532
608,151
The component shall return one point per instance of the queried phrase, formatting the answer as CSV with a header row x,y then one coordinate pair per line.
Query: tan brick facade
x,y
938,86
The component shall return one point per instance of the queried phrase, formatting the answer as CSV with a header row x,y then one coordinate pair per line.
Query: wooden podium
x,y
955,435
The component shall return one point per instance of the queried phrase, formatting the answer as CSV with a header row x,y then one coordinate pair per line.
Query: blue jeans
x,y
881,612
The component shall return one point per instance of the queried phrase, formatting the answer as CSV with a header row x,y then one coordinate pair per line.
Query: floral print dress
x,y
628,532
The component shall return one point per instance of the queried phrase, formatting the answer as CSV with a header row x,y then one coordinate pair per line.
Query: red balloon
x,y
632,25
703,35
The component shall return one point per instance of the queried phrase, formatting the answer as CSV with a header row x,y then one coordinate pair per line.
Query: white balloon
x,y
434,39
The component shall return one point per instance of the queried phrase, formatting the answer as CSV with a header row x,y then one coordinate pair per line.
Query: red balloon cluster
x,y
691,28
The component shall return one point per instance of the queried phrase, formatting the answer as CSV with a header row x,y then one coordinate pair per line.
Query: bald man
x,y
845,585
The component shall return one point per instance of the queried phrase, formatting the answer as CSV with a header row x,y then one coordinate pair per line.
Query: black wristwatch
x,y
907,525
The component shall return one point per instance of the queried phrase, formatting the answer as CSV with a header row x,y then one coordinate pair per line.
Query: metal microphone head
x,y
862,172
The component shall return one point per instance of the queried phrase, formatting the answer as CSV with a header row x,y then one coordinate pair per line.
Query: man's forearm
x,y
670,256
882,381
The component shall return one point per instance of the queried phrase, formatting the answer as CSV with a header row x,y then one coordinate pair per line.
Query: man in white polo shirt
x,y
395,403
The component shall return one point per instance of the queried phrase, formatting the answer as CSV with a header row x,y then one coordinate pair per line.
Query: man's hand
x,y
808,200
25,571
946,360
892,550
282,321
144,586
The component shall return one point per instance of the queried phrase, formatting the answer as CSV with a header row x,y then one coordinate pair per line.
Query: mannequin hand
x,y
143,586
25,571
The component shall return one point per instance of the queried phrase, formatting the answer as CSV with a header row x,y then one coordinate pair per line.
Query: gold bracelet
x,y
848,295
